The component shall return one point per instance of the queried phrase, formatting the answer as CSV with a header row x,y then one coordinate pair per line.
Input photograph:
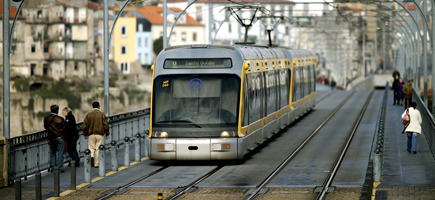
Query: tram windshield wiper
x,y
188,121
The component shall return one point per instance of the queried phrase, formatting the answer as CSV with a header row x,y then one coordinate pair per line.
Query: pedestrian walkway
x,y
405,175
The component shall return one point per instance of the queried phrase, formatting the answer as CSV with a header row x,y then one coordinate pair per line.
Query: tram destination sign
x,y
200,63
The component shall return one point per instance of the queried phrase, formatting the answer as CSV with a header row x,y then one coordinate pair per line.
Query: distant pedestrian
x,y
322,80
413,128
55,126
72,135
394,88
333,84
408,91
95,126
399,90
396,73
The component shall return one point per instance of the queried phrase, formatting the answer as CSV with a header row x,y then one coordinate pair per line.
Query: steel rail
x,y
132,183
337,163
297,150
323,98
191,185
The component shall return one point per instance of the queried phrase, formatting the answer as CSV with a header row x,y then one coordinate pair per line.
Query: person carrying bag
x,y
412,127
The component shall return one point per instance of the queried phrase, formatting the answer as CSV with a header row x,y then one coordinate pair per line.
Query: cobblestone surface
x,y
405,193
27,193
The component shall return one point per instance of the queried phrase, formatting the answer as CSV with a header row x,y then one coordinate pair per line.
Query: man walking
x,y
396,73
407,90
55,125
95,125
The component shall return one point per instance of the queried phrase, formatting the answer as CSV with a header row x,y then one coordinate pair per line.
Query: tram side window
x,y
271,92
254,97
295,84
301,83
306,80
313,79
284,87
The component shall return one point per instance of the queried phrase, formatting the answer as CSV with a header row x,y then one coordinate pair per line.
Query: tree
x,y
158,45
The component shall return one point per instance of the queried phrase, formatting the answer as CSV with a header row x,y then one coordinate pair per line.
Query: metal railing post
x,y
137,148
73,175
127,151
87,166
18,189
56,182
377,166
114,155
38,188
102,161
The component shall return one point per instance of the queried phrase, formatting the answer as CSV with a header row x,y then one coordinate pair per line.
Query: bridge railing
x,y
428,124
30,153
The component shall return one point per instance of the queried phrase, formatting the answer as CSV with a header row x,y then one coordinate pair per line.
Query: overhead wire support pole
x,y
107,36
7,43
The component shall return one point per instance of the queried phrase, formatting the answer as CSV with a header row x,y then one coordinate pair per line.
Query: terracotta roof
x,y
410,6
154,15
12,11
94,6
226,1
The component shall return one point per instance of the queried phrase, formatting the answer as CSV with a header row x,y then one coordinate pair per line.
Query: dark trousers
x,y
57,147
407,102
396,98
72,150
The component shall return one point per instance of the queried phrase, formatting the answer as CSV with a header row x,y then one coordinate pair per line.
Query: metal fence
x,y
428,124
30,153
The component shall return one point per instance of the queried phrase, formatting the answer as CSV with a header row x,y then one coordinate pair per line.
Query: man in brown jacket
x,y
95,126
55,127
407,90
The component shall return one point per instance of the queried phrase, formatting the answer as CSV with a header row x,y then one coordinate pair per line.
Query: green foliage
x,y
22,84
112,82
31,104
60,89
139,95
43,113
158,45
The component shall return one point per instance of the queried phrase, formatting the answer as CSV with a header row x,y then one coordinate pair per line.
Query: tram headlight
x,y
228,134
160,134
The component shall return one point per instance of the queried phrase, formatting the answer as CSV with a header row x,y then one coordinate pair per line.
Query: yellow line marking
x,y
53,198
110,173
123,167
133,163
82,185
97,179
66,192
146,158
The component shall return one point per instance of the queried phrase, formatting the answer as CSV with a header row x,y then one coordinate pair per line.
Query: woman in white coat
x,y
413,128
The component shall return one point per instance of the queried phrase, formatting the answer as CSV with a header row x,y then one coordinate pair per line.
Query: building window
x,y
183,36
174,36
76,65
146,42
199,13
194,37
45,69
139,57
79,29
146,58
123,50
123,31
14,49
161,33
123,67
33,48
32,69
229,28
140,28
45,48
139,41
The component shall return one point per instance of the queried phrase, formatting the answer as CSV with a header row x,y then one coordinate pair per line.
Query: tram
x,y
216,102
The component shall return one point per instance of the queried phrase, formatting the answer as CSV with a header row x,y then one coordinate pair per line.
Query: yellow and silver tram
x,y
220,102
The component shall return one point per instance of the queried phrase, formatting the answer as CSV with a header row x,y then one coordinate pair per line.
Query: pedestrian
x,y
55,126
399,90
413,127
408,91
333,84
396,73
393,89
95,125
72,135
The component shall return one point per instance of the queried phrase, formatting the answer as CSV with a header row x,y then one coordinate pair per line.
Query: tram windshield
x,y
202,100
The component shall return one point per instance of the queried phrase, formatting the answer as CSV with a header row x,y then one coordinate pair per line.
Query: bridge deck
x,y
405,176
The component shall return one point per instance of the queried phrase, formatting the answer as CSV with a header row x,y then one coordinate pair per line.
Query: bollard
x,y
137,148
377,166
87,166
56,182
160,196
127,151
146,146
114,155
38,186
73,175
102,160
18,189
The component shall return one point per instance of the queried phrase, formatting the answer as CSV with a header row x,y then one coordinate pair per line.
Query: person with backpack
x,y
55,126
413,127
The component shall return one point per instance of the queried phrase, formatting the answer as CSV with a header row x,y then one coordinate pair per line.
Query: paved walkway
x,y
405,175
